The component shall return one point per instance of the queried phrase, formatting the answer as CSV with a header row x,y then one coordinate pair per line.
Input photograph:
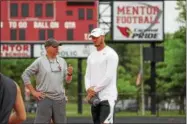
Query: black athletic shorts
x,y
103,112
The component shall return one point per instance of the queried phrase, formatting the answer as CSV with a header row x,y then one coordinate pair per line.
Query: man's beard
x,y
98,45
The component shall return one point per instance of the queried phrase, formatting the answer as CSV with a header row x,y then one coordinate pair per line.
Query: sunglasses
x,y
55,67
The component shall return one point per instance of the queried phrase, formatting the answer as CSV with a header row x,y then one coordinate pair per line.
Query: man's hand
x,y
90,93
38,95
69,74
70,70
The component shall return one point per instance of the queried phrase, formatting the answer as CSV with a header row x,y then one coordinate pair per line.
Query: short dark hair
x,y
51,42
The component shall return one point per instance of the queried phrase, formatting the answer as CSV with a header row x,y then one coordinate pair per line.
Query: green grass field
x,y
72,112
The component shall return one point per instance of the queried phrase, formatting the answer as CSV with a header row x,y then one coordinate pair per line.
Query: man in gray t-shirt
x,y
50,71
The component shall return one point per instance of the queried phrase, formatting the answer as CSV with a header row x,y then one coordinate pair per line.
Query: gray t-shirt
x,y
50,75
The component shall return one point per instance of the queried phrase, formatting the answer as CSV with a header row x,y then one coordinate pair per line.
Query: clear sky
x,y
171,14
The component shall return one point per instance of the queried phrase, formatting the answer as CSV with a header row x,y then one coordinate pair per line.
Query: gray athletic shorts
x,y
48,109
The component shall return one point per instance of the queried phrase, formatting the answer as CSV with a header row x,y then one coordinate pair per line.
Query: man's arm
x,y
87,76
112,63
38,95
68,78
68,73
90,90
30,71
19,115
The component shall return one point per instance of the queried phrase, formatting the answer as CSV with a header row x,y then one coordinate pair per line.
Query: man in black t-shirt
x,y
10,99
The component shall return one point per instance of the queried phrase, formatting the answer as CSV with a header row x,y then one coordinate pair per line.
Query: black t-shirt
x,y
8,93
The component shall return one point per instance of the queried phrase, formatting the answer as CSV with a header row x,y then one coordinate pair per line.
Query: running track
x,y
127,120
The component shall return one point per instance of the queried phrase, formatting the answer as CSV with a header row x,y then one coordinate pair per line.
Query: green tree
x,y
172,73
128,69
181,33
181,7
13,68
126,88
